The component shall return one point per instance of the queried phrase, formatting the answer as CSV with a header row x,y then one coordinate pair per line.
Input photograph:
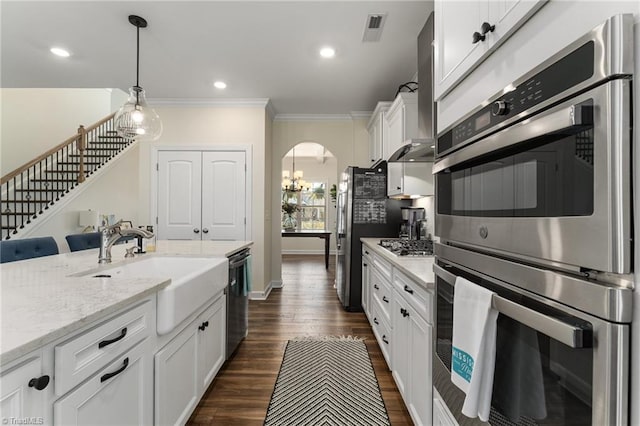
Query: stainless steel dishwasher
x,y
237,300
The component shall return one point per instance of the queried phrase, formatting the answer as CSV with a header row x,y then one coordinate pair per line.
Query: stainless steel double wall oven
x,y
533,201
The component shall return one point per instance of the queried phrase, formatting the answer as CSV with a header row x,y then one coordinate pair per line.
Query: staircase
x,y
30,190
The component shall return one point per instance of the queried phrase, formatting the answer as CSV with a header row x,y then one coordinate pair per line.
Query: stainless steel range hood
x,y
418,150
422,150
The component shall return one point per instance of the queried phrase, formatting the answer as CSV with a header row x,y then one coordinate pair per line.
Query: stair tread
x,y
53,180
17,213
124,142
86,163
8,227
90,156
103,149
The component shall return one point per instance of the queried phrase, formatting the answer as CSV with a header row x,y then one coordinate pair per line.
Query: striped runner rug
x,y
326,381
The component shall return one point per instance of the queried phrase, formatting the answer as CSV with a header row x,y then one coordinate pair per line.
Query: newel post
x,y
81,144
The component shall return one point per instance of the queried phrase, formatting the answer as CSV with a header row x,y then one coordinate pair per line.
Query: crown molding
x,y
210,102
271,111
361,115
313,117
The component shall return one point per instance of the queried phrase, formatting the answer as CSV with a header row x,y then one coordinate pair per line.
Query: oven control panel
x,y
557,78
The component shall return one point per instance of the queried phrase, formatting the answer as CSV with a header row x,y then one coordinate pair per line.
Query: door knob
x,y
196,230
205,231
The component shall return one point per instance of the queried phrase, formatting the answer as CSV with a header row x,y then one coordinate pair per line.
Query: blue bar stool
x,y
27,248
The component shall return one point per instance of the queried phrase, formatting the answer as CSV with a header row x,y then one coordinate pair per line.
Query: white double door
x,y
202,195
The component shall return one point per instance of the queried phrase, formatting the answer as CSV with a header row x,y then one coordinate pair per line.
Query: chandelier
x,y
294,183
135,119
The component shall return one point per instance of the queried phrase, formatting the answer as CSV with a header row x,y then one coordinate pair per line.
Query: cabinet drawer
x,y
382,266
79,358
382,293
419,298
120,394
382,331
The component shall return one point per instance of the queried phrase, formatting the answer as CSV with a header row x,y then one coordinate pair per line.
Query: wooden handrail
x,y
52,151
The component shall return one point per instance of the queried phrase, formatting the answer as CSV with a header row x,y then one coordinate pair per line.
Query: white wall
x,y
211,126
556,25
35,120
314,171
114,192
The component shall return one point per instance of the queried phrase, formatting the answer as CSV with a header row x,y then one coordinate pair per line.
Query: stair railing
x,y
33,187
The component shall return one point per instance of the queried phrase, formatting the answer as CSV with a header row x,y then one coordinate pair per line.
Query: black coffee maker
x,y
412,217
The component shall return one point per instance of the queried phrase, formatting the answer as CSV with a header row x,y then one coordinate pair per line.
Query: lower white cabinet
x,y
19,397
401,317
185,367
441,414
212,341
120,394
366,293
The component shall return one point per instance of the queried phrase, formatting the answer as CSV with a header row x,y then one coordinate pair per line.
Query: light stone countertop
x,y
40,301
419,269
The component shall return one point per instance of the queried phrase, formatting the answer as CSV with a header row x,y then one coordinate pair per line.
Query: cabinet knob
x,y
39,383
487,28
404,312
201,327
205,231
398,188
206,324
477,37
196,230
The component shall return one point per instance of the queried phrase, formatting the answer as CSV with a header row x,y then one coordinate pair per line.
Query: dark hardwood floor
x,y
307,305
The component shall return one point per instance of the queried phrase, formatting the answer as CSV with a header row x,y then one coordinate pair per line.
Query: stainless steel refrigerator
x,y
363,211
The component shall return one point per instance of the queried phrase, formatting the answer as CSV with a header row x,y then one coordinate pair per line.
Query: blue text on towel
x,y
462,364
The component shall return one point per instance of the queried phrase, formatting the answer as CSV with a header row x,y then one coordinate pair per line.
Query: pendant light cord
x,y
137,65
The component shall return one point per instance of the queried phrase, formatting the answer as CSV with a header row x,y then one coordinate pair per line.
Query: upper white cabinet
x,y
402,119
378,129
412,180
467,32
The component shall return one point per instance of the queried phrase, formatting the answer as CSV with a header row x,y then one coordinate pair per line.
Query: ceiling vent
x,y
373,27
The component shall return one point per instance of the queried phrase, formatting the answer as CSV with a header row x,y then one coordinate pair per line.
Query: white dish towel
x,y
474,346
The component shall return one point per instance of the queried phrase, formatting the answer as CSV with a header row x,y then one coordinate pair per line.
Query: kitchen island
x,y
51,314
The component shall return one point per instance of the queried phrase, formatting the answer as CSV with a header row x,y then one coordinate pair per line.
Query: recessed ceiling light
x,y
60,52
220,85
327,52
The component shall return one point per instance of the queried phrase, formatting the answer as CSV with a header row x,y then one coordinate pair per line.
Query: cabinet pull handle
x,y
39,382
376,321
384,339
376,287
397,187
408,289
206,324
477,37
366,252
487,28
365,265
108,342
404,312
384,299
107,376
201,327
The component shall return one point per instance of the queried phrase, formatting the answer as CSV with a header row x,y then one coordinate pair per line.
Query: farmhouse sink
x,y
193,282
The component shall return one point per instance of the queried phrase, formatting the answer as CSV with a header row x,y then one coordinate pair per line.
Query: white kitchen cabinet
x,y
120,394
190,185
366,272
441,414
412,359
402,119
456,54
410,180
211,342
186,366
19,397
378,130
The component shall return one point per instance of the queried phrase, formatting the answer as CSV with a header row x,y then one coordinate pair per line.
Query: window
x,y
305,210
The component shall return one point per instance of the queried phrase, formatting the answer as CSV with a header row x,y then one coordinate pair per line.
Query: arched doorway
x,y
309,173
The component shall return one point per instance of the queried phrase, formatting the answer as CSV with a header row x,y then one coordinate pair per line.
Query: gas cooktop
x,y
408,247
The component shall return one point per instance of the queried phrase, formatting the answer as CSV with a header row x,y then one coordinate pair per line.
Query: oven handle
x,y
561,331
578,115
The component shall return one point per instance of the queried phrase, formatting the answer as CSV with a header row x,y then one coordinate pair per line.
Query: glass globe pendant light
x,y
135,119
